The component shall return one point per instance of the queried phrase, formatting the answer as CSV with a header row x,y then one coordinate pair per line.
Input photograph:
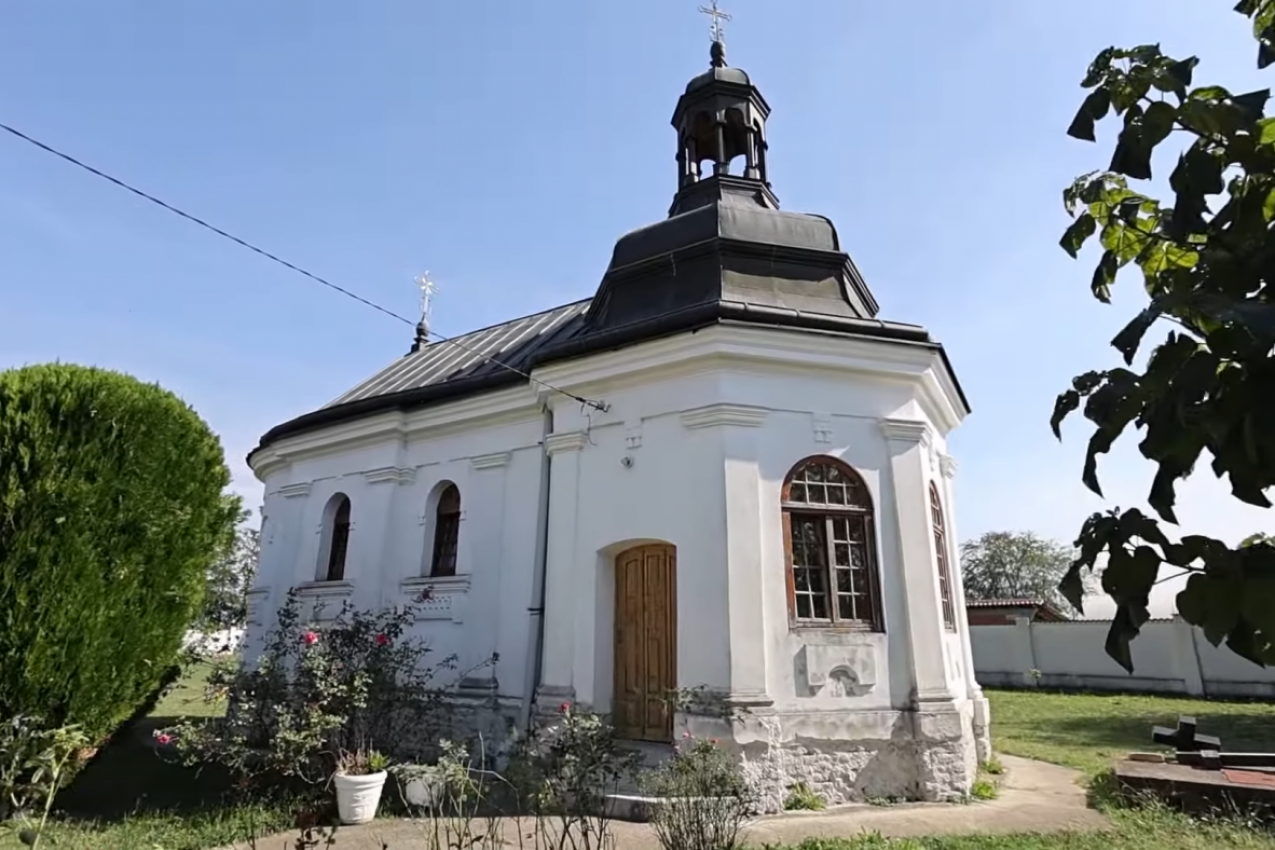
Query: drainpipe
x,y
536,620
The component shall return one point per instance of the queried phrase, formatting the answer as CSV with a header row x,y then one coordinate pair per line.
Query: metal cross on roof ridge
x,y
718,16
428,289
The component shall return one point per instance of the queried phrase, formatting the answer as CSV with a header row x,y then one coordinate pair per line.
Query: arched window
x,y
338,528
940,552
446,532
828,540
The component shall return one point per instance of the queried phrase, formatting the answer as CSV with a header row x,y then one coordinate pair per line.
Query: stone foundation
x,y
927,754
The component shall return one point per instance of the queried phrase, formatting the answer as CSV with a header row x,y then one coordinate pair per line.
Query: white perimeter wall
x,y
1169,656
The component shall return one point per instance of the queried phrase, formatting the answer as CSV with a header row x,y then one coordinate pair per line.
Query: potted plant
x,y
359,779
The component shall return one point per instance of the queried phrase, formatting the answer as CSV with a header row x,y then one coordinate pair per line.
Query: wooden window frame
x,y
939,526
339,541
446,534
867,514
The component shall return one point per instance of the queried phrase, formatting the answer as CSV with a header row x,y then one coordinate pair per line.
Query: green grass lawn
x,y
132,800
1089,732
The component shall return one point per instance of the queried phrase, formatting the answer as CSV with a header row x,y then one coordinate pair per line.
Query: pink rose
x,y
686,734
382,640
714,741
565,707
163,738
310,638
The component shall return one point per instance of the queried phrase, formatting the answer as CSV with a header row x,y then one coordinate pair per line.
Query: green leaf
x,y
1252,104
1266,131
1157,123
1181,72
1078,233
1072,586
1068,402
1130,338
1104,275
1132,155
1265,54
1209,93
1125,626
1099,443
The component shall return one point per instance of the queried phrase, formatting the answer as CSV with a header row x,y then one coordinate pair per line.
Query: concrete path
x,y
1034,798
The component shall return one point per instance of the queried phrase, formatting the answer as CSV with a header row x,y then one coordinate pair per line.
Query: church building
x,y
722,471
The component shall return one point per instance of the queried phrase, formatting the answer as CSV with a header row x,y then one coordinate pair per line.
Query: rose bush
x,y
320,696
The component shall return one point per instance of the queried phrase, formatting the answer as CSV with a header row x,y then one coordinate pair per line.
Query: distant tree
x,y
1205,392
112,509
1015,565
230,578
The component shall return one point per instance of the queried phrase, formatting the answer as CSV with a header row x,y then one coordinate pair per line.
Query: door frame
x,y
617,615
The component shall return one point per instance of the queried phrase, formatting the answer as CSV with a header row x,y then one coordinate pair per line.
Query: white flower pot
x,y
358,796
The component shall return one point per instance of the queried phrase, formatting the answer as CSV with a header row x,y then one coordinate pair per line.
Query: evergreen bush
x,y
112,508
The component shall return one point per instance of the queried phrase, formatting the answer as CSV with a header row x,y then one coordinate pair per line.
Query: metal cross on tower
x,y
428,288
718,16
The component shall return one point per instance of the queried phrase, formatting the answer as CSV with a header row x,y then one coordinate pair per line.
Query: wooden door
x,y
645,641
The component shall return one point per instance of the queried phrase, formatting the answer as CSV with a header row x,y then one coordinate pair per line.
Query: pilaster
x,y
908,440
561,599
486,551
371,511
745,594
948,468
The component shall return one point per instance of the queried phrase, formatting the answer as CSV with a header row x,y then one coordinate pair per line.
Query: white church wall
x,y
708,449
393,485
668,491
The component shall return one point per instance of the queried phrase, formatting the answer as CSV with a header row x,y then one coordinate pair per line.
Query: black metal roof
x,y
493,352
725,255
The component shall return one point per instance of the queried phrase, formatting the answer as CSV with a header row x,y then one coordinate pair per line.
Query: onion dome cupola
x,y
726,252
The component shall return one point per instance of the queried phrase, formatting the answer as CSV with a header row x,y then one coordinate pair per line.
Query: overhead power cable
x,y
596,405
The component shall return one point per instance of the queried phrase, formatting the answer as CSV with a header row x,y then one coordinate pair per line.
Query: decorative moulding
x,y
294,491
839,671
633,434
906,430
724,414
436,597
822,423
325,588
948,465
327,598
566,441
491,461
390,475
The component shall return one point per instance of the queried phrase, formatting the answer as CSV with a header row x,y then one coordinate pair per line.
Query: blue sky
x,y
505,145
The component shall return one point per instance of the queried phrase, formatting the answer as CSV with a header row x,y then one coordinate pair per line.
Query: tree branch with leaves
x,y
1208,389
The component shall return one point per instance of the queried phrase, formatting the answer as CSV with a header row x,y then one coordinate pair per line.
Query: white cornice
x,y
724,414
294,491
906,430
266,463
390,475
566,441
948,466
495,408
491,461
723,345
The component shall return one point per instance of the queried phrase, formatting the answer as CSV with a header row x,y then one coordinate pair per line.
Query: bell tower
x,y
721,132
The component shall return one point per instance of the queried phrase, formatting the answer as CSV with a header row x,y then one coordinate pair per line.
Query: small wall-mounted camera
x,y
627,461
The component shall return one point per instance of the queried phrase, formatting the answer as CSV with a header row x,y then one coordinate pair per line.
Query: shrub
x,y
562,773
706,799
803,798
111,511
321,696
